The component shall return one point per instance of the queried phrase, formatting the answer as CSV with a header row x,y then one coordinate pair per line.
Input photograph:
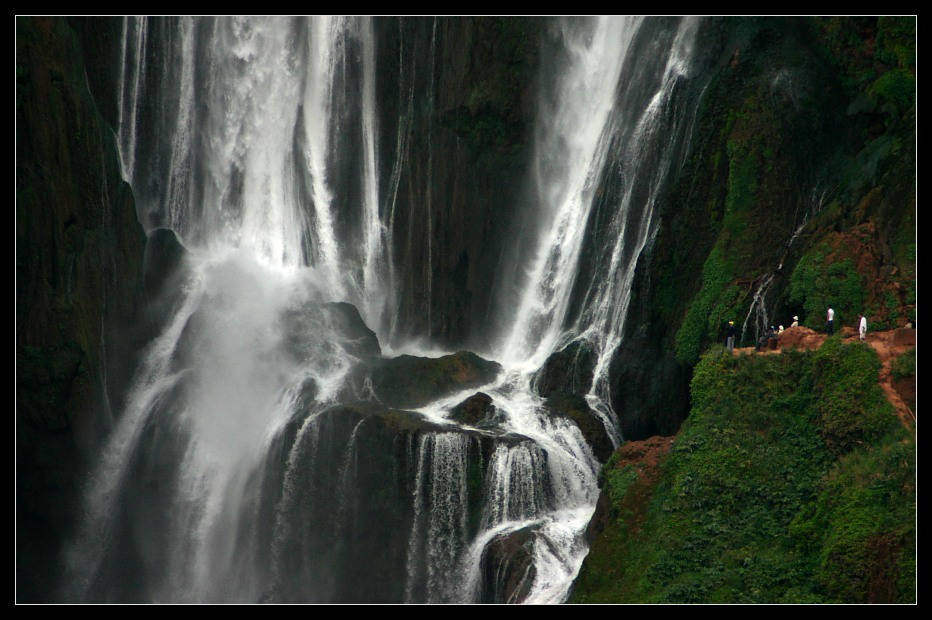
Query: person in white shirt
x,y
862,327
830,321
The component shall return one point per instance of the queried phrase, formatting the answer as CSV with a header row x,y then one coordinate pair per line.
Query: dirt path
x,y
881,342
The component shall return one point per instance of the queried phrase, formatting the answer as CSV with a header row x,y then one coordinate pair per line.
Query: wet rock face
x,y
650,392
357,339
315,330
375,468
164,268
465,112
564,380
507,567
575,408
569,370
410,382
477,410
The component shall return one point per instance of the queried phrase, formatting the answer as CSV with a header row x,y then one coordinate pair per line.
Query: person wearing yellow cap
x,y
731,336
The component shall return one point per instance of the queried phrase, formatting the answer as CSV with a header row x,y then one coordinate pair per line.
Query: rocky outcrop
x,y
575,408
314,330
410,382
477,410
568,370
356,337
507,567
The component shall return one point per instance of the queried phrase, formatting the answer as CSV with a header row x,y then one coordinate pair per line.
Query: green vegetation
x,y
850,408
818,283
616,481
710,309
904,366
768,147
790,482
859,533
753,223
865,49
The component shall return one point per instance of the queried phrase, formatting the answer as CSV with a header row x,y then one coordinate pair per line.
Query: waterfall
x,y
607,122
571,147
439,533
650,151
258,142
608,119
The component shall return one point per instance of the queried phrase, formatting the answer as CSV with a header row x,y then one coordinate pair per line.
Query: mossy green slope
x,y
792,481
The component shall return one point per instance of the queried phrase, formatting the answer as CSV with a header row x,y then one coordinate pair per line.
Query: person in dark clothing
x,y
732,331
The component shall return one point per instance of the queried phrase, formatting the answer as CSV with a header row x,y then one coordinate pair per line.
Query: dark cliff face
x,y
456,106
79,250
777,165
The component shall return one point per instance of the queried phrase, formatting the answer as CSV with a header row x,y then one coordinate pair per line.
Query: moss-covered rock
x,y
759,500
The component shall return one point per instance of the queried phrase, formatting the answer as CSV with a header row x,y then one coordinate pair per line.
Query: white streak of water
x,y
571,148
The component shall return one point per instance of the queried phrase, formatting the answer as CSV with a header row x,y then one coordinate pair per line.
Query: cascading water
x,y
591,117
234,474
757,318
572,144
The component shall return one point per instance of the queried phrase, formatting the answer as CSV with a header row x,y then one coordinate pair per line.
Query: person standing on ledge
x,y
830,321
862,327
731,337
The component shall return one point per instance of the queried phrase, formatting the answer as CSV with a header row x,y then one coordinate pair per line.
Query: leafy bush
x,y
850,407
897,87
904,366
861,527
817,284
